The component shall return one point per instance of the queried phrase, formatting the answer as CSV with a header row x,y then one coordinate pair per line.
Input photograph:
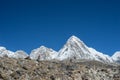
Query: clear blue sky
x,y
28,24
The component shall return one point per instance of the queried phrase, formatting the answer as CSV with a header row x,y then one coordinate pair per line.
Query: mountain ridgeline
x,y
74,49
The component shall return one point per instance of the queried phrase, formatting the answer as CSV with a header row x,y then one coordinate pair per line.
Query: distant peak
x,y
117,53
116,56
74,38
2,48
43,46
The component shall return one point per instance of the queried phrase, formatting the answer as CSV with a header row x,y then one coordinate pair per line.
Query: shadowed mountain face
x,y
73,49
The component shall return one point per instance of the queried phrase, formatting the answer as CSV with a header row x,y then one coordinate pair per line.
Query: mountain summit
x,y
77,49
43,53
7,53
73,49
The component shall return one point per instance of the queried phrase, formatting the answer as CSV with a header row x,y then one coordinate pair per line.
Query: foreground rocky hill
x,y
27,69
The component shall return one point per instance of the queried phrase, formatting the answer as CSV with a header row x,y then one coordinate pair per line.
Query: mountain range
x,y
74,49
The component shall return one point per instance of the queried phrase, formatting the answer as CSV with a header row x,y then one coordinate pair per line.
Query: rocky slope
x,y
27,69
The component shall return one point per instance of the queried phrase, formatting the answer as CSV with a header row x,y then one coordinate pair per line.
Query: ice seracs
x,y
43,53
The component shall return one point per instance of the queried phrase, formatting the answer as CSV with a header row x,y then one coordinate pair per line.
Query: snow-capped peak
x,y
74,38
5,52
43,53
2,48
76,48
18,54
116,56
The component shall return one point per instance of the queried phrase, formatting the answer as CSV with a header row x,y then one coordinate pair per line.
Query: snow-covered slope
x,y
43,53
116,56
4,52
18,54
100,56
75,48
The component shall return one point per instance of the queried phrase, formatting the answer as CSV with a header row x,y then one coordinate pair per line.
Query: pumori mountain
x,y
73,49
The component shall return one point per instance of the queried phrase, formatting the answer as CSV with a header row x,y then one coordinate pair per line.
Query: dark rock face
x,y
26,69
